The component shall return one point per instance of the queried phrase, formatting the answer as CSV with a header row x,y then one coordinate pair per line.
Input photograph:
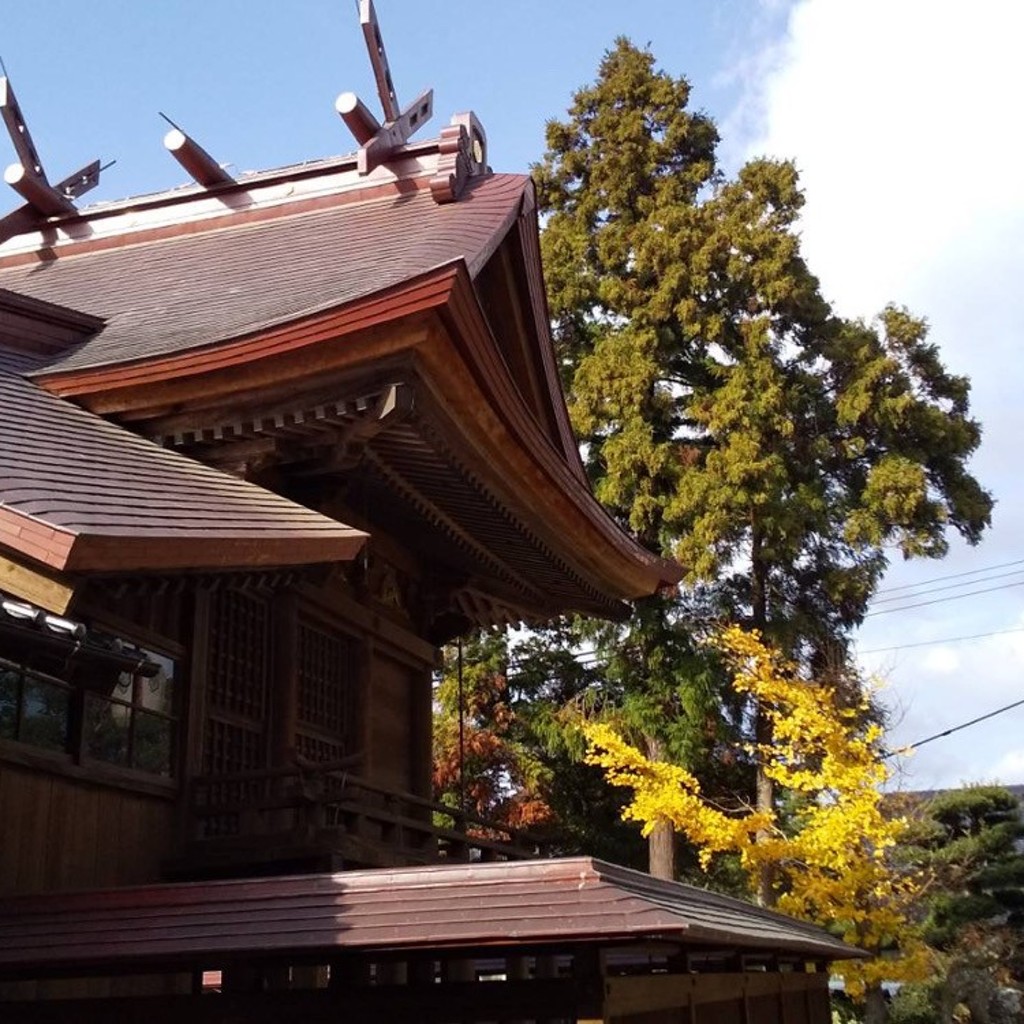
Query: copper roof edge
x,y
192,203
685,905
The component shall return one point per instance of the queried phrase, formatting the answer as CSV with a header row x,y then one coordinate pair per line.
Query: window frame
x,y
74,758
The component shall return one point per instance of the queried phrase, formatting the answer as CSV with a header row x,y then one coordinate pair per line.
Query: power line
x,y
950,586
941,600
950,576
942,640
955,728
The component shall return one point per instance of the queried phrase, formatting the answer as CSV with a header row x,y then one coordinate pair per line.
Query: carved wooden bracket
x,y
462,155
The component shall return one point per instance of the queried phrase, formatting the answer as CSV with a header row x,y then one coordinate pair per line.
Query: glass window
x,y
94,712
130,721
10,688
44,713
34,708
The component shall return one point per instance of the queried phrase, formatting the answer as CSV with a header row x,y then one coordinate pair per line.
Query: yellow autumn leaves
x,y
830,853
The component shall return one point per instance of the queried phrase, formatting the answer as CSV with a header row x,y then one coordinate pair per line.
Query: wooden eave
x,y
530,906
431,317
79,494
511,290
110,550
33,327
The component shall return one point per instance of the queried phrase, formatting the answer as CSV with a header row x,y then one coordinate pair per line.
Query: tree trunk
x,y
765,801
764,790
661,843
661,851
876,1007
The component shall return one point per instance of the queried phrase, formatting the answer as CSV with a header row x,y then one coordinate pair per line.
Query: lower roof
x,y
532,904
78,493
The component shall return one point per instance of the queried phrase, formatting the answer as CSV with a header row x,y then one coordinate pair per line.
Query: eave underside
x,y
396,473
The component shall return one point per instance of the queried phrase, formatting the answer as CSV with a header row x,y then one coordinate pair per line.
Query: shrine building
x,y
266,442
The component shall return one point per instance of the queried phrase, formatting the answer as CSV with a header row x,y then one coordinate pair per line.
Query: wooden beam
x,y
357,116
27,176
17,222
394,406
77,184
375,149
49,591
18,130
197,162
436,1003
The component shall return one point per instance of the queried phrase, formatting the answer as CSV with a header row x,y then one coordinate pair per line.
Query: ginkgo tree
x,y
828,850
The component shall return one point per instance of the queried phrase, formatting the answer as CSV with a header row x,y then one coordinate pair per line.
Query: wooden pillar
x,y
588,974
285,680
421,725
194,712
190,743
363,727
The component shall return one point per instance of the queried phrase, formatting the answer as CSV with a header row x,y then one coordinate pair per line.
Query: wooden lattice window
x,y
235,738
326,712
230,748
239,653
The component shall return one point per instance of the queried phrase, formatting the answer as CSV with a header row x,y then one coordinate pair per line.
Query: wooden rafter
x,y
379,59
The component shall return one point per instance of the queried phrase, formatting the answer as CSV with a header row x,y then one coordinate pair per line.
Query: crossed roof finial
x,y
377,141
27,176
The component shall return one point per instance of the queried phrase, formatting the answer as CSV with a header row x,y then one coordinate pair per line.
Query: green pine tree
x,y
968,841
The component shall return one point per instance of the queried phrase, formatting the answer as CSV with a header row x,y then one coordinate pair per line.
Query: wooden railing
x,y
328,806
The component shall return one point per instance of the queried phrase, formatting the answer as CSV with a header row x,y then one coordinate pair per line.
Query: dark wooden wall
x,y
66,825
64,833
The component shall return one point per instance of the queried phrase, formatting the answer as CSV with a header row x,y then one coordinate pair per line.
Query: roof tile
x,y
450,906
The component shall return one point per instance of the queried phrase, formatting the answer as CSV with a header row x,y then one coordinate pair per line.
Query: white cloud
x,y
1009,769
942,661
902,116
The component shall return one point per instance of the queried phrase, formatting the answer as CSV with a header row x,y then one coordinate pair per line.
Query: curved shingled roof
x,y
80,493
166,292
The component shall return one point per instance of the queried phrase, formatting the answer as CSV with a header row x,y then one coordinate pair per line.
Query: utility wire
x,y
955,728
948,586
942,640
941,600
950,576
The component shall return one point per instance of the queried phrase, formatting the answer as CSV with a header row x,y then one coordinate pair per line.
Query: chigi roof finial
x,y
27,176
377,141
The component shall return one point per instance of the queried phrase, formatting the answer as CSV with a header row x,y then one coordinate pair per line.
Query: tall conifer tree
x,y
728,416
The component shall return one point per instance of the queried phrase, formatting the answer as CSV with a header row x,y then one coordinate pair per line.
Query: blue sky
x,y
901,115
255,81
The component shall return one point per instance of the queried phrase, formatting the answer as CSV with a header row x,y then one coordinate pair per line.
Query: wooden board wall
x,y
59,833
390,762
